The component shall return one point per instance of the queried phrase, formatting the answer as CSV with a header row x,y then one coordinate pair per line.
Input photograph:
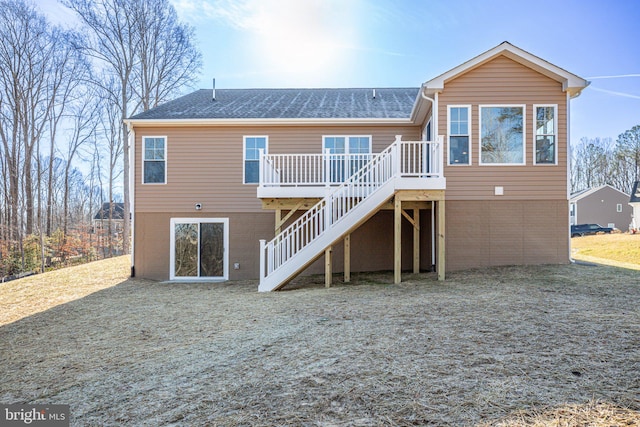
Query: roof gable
x,y
117,212
586,193
571,83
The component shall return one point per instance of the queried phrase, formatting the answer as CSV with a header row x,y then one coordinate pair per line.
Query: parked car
x,y
585,229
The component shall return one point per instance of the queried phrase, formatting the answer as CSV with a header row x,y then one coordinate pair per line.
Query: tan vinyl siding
x,y
503,81
492,233
205,164
371,244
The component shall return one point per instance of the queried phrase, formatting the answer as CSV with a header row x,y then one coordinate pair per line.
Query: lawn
x,y
619,249
513,346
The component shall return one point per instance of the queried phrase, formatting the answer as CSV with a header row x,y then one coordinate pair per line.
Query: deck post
x,y
416,241
440,261
328,275
347,258
397,240
263,244
278,221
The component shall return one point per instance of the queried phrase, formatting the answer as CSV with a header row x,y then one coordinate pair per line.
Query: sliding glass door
x,y
199,248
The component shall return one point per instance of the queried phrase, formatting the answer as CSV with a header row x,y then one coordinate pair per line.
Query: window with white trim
x,y
546,135
154,160
251,157
502,130
619,207
459,119
349,154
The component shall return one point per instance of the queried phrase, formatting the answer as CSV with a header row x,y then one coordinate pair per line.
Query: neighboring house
x,y
634,202
602,205
116,212
467,170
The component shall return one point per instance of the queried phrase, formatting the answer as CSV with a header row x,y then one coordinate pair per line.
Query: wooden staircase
x,y
346,208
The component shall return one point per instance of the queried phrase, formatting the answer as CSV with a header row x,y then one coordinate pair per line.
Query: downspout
x,y
132,192
434,131
568,122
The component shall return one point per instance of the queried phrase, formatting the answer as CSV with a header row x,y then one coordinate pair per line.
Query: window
x,y
252,147
199,248
545,137
154,160
459,118
350,154
502,135
619,207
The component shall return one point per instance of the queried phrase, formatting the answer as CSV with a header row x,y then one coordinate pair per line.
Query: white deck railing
x,y
411,159
419,159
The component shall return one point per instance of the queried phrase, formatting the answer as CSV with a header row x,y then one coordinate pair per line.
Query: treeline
x,y
600,161
64,93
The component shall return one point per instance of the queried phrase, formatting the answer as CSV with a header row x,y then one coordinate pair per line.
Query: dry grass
x,y
33,294
515,346
619,249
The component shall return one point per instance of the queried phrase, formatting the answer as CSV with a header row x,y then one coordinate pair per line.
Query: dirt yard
x,y
552,345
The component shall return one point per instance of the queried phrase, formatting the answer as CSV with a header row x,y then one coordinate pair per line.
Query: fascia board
x,y
266,122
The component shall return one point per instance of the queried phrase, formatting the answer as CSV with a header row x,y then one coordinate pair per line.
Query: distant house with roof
x,y
604,205
113,211
467,170
634,202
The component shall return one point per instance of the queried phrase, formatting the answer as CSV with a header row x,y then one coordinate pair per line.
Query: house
x,y
115,211
634,202
468,170
602,205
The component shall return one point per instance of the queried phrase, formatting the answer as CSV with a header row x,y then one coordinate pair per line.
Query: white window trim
x,y
244,156
535,136
346,142
449,135
172,249
619,207
144,159
524,133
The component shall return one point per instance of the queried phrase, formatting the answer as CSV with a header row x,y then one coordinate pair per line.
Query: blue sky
x,y
399,43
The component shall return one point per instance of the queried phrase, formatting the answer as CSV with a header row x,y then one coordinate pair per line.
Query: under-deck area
x,y
406,205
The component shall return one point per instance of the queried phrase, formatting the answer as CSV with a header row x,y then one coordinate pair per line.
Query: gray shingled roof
x,y
394,103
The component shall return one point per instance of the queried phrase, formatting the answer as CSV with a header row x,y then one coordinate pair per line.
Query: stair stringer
x,y
309,254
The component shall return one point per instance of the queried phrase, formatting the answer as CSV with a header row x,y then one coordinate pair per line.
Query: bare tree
x,y
628,155
146,50
28,52
112,41
168,59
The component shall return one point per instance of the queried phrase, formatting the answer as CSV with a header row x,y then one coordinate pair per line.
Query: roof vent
x,y
374,94
214,90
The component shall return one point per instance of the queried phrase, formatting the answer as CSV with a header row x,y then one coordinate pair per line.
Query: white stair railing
x,y
420,159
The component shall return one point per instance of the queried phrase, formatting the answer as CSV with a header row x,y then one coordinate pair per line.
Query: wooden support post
x,y
327,267
440,260
347,258
416,241
278,221
397,240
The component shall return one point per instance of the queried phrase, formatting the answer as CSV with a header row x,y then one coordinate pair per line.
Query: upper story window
x,y
252,147
546,135
352,152
502,134
459,119
154,160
